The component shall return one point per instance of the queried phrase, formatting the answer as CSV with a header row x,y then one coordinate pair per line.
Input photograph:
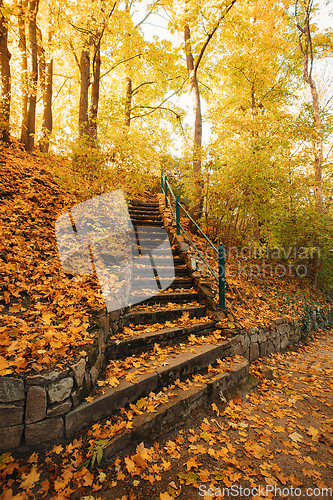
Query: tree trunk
x,y
85,82
195,92
96,70
45,79
305,43
5,78
22,15
128,102
318,148
33,76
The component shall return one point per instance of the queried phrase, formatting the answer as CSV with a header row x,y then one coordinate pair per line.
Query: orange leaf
x,y
30,479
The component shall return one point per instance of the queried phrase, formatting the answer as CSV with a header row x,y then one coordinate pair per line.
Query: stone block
x,y
183,246
246,343
87,381
11,414
11,437
254,330
114,315
59,408
271,347
78,370
36,404
254,352
11,389
284,342
46,430
283,329
238,349
276,343
61,390
46,379
254,337
263,347
262,336
94,375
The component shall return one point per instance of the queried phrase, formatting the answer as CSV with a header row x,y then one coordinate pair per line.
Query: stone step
x,y
161,315
178,366
138,284
145,272
160,261
142,222
162,254
145,216
168,297
121,348
143,203
148,427
143,211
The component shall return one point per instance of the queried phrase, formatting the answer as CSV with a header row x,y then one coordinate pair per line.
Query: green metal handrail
x,y
166,189
199,228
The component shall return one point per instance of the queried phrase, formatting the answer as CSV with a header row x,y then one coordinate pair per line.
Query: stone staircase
x,y
168,340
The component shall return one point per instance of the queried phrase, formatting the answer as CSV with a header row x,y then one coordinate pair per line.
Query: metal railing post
x,y
161,182
178,215
166,190
221,277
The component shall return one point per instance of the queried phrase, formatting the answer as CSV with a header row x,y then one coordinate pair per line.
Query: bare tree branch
x,y
211,34
136,90
118,63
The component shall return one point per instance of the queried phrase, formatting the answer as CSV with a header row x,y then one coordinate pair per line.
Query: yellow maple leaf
x,y
215,408
33,458
295,436
192,462
88,478
30,479
113,381
57,449
166,496
150,408
4,365
313,433
130,465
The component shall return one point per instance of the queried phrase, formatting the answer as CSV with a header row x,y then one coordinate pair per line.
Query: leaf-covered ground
x,y
44,320
278,438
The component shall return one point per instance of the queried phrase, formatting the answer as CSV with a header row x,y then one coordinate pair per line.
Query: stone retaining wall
x,y
33,409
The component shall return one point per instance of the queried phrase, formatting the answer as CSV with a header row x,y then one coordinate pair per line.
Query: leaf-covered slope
x,y
43,310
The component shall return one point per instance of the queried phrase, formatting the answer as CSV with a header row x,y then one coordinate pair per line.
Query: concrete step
x,y
121,348
142,222
160,298
144,204
145,272
145,216
161,315
179,366
139,284
142,211
178,410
